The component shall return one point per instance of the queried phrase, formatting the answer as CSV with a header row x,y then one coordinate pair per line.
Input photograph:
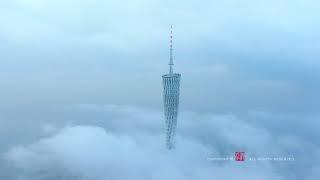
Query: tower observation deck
x,y
171,92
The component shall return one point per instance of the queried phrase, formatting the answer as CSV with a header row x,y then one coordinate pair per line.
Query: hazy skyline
x,y
94,67
250,52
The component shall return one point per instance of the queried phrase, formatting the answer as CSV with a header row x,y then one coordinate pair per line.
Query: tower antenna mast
x,y
171,55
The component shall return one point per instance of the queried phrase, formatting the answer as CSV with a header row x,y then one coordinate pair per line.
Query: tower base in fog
x,y
171,91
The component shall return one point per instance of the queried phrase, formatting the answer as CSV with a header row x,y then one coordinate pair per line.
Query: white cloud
x,y
91,153
129,144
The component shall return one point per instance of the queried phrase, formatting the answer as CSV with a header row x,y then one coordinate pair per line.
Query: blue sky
x,y
266,48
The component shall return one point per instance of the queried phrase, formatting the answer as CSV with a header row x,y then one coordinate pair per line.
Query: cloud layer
x,y
129,144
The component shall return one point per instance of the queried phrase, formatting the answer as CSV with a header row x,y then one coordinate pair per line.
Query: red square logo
x,y
239,156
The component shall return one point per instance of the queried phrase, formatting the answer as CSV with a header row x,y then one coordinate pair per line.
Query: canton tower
x,y
171,91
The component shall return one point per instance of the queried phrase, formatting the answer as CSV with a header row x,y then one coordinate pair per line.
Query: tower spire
x,y
171,55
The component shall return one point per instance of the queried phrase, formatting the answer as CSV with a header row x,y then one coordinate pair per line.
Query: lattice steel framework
x,y
171,92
